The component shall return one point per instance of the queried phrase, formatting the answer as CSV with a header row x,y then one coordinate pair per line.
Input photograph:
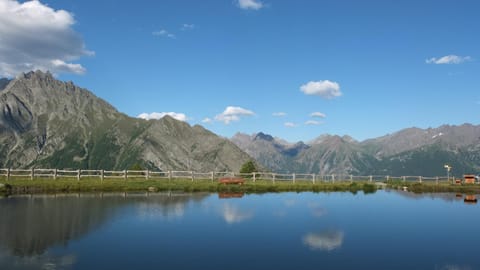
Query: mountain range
x,y
47,123
411,151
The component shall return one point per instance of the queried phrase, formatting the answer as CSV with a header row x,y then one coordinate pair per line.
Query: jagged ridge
x,y
411,151
49,123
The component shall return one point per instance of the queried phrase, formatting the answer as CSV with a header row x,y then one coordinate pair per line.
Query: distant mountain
x,y
273,153
49,123
335,155
412,138
411,151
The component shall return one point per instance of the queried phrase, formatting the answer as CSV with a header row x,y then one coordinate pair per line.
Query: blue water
x,y
384,230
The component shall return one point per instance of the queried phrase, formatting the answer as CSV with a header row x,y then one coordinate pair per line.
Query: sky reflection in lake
x,y
235,231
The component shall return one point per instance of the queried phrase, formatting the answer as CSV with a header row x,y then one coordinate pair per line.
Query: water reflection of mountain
x,y
448,197
30,225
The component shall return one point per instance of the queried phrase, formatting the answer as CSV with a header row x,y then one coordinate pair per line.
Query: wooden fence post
x,y
436,180
420,179
147,174
102,175
78,174
351,178
32,174
254,177
193,177
313,178
404,178
212,176
293,178
55,172
333,178
371,178
8,174
169,175
125,175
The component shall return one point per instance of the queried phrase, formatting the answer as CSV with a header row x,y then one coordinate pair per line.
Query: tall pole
x,y
448,167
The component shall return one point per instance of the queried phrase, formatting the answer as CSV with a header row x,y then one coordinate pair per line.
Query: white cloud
x,y
207,120
232,114
163,33
159,115
318,114
326,89
61,66
34,36
279,114
448,59
250,4
289,124
313,123
187,26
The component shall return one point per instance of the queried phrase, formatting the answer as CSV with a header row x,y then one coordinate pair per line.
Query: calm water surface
x,y
385,230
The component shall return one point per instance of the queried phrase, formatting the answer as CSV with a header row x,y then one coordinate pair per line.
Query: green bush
x,y
248,167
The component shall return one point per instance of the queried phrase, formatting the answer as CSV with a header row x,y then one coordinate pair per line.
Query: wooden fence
x,y
11,174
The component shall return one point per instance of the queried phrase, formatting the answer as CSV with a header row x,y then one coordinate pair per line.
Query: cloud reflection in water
x,y
232,214
325,241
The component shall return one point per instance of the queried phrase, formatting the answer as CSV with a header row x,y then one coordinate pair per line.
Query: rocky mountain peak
x,y
320,139
53,124
263,136
348,139
38,74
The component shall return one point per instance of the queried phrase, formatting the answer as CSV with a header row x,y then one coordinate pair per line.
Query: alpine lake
x,y
388,229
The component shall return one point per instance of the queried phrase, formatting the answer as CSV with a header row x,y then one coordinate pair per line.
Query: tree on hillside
x,y
136,167
248,167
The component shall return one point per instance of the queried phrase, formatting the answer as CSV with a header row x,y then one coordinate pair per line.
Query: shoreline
x,y
39,186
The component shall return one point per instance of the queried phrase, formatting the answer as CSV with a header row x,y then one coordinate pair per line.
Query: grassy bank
x,y
432,187
22,186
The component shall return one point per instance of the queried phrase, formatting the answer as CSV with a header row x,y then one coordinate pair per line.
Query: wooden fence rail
x,y
10,174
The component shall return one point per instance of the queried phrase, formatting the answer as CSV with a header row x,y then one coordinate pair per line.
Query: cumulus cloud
x,y
159,115
34,36
289,124
327,240
279,114
318,114
187,26
232,113
313,123
250,4
448,59
326,89
163,33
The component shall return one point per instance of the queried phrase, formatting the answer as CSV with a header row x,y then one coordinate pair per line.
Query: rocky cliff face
x,y
48,123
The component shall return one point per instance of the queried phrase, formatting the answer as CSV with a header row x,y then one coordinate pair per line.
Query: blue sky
x,y
293,69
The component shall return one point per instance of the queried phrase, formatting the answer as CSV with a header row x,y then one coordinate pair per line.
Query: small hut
x,y
469,179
